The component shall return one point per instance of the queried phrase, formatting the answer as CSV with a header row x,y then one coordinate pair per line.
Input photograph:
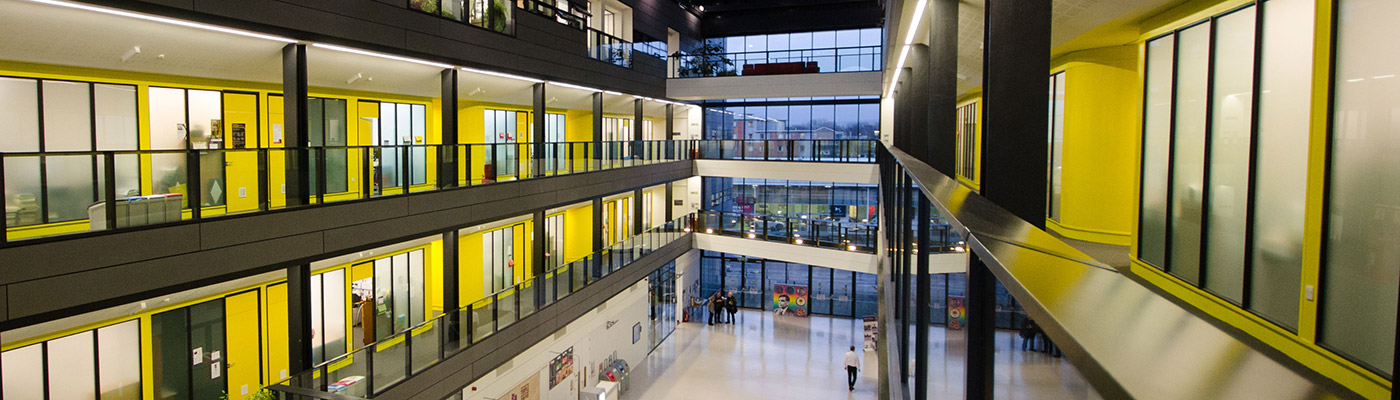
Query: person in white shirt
x,y
852,365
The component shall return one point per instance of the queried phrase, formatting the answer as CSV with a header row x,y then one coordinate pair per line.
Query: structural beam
x,y
447,153
296,139
1017,49
942,87
299,330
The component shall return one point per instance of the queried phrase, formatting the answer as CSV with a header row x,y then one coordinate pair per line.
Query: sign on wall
x,y
789,300
561,367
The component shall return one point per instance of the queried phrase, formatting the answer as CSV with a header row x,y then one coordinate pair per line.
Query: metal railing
x,y
575,20
243,181
608,48
819,150
850,236
832,59
493,15
378,366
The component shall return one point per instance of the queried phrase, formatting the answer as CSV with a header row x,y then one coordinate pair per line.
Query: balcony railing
x,y
64,193
850,236
771,62
574,18
836,150
609,48
377,367
494,15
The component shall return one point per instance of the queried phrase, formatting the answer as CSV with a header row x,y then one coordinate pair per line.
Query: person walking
x,y
732,306
852,362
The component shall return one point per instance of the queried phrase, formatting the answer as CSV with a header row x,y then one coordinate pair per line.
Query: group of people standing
x,y
1029,332
721,304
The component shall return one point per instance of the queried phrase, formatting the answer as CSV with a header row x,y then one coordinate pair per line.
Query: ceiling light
x,y
914,23
380,55
164,20
355,78
572,86
502,75
131,53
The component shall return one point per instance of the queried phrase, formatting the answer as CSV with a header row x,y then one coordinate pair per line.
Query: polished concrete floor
x,y
763,357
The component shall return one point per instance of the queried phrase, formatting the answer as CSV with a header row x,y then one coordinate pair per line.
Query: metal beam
x,y
1017,49
296,139
447,154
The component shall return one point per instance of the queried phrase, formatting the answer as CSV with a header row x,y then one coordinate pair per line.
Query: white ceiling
x,y
48,34
337,69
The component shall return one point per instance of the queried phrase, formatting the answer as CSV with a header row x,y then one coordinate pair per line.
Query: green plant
x,y
427,6
497,15
261,394
707,60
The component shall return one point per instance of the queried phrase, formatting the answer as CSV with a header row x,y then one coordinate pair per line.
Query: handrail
x,y
731,63
1111,328
377,171
451,333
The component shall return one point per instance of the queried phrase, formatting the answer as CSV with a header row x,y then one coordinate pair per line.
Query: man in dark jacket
x,y
716,307
732,306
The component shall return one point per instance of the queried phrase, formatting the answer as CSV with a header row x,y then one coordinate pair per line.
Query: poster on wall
x,y
789,300
561,367
526,390
872,332
957,313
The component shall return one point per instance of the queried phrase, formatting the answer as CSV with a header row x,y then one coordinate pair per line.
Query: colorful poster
x,y
561,367
872,333
789,300
957,313
527,390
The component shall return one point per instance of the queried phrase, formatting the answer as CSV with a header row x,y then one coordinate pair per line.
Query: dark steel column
x,y
981,329
537,261
668,136
597,129
638,210
638,150
451,293
599,242
295,140
670,202
942,88
447,154
917,100
299,329
538,139
921,302
1017,51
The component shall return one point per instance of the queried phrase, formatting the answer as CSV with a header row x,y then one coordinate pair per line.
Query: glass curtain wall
x,y
831,291
1361,262
1223,189
796,120
849,50
827,201
661,294
101,363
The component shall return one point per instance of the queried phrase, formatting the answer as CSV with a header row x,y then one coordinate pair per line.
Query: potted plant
x,y
707,60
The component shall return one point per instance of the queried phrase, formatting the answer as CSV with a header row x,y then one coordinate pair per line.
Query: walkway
x,y
762,357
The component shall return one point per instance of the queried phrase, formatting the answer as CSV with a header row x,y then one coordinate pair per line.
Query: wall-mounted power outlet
x,y
284,188
1308,292
242,192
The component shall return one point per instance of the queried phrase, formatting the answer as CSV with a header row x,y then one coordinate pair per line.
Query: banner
x,y
527,390
957,313
789,300
561,367
872,333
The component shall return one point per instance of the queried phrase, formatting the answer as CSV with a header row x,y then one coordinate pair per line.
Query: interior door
x,y
241,132
207,376
244,361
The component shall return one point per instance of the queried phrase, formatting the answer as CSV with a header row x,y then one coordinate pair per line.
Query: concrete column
x,y
1017,51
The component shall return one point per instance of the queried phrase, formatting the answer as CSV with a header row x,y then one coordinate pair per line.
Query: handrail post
x,y
981,329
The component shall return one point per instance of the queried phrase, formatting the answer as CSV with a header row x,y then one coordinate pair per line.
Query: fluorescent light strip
x,y
612,93
914,23
503,75
899,68
572,86
380,55
164,20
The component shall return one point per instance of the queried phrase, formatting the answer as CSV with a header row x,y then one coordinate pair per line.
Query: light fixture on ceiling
x,y
502,75
164,20
131,53
380,55
475,92
908,40
355,78
567,85
551,100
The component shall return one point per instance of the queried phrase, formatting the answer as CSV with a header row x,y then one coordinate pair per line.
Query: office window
x,y
83,365
1156,148
1188,147
1360,268
1057,143
1227,195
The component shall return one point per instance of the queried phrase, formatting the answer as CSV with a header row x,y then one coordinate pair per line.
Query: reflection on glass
x,y
1155,150
1232,97
1188,163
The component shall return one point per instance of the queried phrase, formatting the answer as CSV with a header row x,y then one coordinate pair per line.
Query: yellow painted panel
x,y
277,336
432,281
1100,142
241,166
470,266
578,228
244,351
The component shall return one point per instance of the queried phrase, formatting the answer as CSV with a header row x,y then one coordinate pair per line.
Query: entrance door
x,y
244,365
188,345
208,379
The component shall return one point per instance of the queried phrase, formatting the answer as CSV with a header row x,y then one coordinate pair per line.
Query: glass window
x,y
1057,141
67,116
115,108
867,300
1188,163
1361,264
19,108
335,306
938,298
119,361
71,358
23,373
1231,103
821,290
842,293
1156,148
1282,140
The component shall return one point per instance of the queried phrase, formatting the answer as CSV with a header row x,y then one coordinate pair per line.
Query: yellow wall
x,y
1101,135
472,265
578,241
